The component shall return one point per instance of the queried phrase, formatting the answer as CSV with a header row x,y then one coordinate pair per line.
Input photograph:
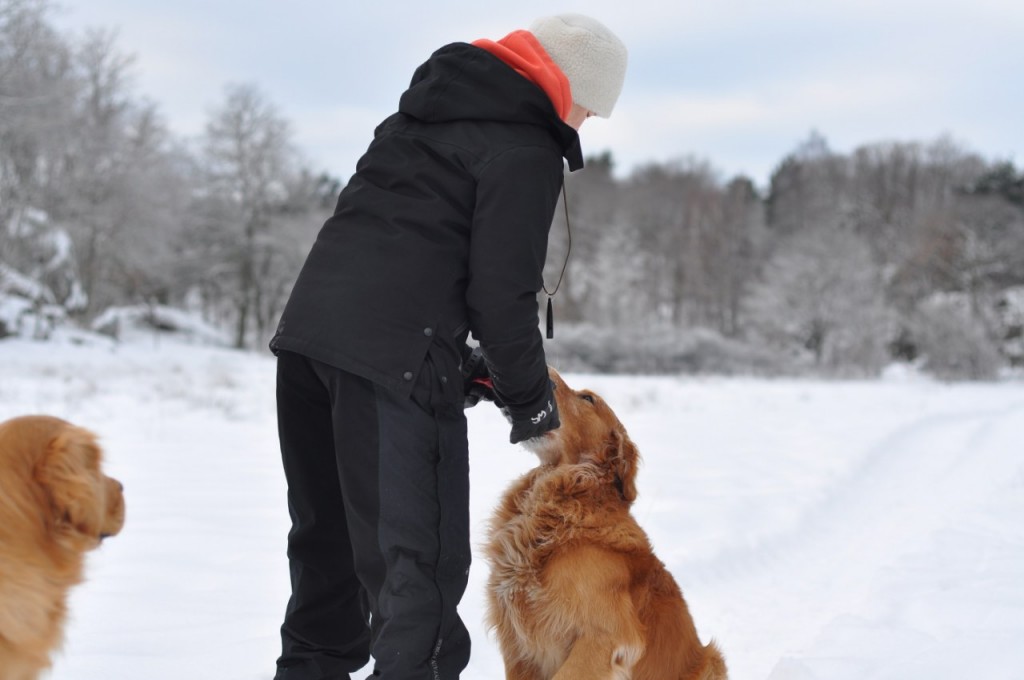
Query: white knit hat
x,y
591,56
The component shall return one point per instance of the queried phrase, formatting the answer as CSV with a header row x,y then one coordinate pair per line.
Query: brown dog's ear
x,y
623,457
68,472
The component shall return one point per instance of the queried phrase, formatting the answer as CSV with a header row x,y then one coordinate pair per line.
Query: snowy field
x,y
819,530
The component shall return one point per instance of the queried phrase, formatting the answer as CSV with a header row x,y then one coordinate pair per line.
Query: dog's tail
x,y
713,667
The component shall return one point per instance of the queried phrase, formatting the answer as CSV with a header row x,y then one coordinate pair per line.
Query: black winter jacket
x,y
441,231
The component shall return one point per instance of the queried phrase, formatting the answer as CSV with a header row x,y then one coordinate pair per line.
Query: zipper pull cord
x,y
568,251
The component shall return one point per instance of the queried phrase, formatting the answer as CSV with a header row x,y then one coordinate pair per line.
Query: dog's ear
x,y
623,457
68,471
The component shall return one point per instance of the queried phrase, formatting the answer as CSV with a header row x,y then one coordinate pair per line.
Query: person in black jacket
x,y
441,232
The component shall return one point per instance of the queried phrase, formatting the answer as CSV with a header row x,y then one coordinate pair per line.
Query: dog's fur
x,y
575,591
55,504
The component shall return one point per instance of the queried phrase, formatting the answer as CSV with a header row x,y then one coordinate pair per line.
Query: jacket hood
x,y
526,56
464,82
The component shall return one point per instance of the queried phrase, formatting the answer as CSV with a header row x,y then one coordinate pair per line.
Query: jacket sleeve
x,y
515,202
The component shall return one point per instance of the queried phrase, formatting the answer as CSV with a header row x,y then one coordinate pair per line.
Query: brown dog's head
x,y
59,466
589,433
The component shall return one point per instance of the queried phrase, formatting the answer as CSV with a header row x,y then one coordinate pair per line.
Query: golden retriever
x,y
55,504
575,591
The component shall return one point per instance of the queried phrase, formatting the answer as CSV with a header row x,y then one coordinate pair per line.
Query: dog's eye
x,y
587,397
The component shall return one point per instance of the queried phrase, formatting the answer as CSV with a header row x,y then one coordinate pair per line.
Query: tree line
x,y
844,263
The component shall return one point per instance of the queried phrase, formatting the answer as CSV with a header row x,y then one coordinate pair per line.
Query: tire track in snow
x,y
912,483
898,479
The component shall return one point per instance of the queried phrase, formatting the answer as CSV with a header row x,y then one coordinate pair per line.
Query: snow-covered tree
x,y
242,252
822,295
952,342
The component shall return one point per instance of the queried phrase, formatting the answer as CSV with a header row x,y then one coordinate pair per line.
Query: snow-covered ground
x,y
819,530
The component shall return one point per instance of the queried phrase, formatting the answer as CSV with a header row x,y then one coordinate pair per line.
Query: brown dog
x,y
575,591
55,504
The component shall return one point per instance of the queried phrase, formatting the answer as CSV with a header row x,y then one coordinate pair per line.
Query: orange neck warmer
x,y
521,51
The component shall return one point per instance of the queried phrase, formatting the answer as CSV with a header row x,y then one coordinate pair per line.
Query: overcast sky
x,y
738,83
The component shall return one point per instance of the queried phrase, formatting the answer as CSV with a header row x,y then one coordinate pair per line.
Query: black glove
x,y
543,420
476,380
479,389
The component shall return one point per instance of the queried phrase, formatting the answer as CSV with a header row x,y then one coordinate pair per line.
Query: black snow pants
x,y
378,492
